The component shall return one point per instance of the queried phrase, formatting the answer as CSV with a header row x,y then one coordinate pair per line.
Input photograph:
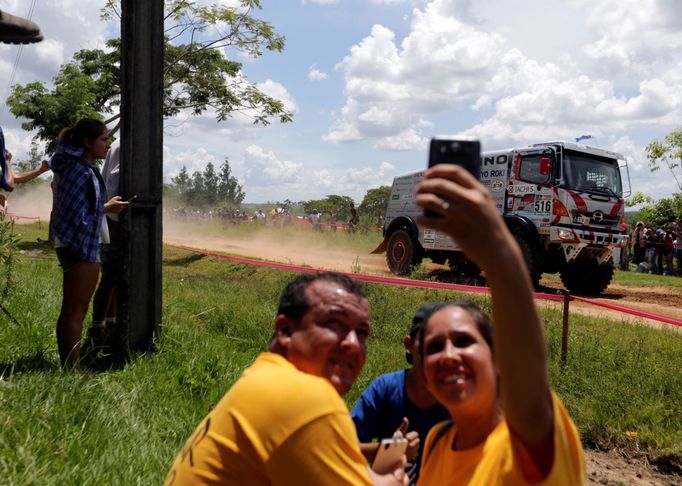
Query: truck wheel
x,y
531,259
402,252
587,276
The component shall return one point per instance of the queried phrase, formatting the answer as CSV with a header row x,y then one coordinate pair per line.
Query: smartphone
x,y
389,453
131,198
466,153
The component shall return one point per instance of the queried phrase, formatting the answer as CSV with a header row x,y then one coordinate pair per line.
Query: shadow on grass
x,y
40,245
451,277
183,261
37,362
606,296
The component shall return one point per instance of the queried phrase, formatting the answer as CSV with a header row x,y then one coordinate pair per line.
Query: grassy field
x,y
621,384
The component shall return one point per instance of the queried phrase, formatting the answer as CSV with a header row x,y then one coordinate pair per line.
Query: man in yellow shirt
x,y
284,422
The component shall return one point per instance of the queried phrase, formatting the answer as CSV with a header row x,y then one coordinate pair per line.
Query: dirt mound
x,y
616,468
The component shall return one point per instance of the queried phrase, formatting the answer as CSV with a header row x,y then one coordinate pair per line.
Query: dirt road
x,y
658,300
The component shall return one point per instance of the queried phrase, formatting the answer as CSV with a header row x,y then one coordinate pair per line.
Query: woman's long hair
x,y
85,128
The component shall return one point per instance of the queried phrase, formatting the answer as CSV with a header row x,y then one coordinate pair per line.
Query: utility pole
x,y
139,292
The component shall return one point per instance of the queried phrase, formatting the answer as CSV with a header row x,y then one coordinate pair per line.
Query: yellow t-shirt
x,y
275,426
494,463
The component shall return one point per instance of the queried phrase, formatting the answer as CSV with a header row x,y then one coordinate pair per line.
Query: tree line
x,y
208,188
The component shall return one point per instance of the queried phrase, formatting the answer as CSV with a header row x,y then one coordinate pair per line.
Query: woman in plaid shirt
x,y
78,230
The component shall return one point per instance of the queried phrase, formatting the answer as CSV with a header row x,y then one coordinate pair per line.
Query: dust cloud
x,y
295,245
30,201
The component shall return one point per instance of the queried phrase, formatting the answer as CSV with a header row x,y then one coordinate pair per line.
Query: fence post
x,y
564,328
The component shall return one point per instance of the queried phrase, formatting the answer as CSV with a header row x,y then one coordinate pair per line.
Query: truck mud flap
x,y
381,248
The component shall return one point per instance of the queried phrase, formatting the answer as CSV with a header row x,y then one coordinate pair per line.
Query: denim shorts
x,y
68,260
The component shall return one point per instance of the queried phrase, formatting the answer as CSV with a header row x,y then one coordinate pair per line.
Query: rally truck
x,y
562,201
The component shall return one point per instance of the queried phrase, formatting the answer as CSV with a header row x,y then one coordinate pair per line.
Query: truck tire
x,y
587,276
530,257
403,253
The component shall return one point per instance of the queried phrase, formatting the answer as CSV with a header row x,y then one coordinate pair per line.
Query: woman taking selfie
x,y
507,426
79,209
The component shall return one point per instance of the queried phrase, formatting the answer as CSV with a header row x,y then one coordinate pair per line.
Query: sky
x,y
371,81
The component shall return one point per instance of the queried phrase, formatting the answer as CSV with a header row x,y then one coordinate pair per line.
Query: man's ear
x,y
407,342
283,330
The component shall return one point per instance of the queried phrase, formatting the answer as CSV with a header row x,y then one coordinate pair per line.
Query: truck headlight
x,y
565,234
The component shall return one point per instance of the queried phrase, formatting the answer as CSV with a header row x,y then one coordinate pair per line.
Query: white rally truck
x,y
562,201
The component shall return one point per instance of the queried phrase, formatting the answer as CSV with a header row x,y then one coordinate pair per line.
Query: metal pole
x,y
564,329
139,293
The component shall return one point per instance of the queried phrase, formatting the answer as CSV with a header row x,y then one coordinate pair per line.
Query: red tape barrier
x,y
16,216
405,282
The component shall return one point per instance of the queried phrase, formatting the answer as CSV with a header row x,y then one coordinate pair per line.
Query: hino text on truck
x,y
562,201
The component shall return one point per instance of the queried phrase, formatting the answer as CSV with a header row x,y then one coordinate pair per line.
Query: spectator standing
x,y
667,249
6,175
354,218
78,228
638,243
678,247
651,243
104,304
315,220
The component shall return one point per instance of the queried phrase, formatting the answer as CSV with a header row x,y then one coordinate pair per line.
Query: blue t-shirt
x,y
382,406
3,164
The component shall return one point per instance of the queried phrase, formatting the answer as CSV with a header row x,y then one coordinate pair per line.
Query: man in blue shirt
x,y
399,400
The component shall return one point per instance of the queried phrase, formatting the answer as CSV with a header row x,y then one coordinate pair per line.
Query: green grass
x,y
126,426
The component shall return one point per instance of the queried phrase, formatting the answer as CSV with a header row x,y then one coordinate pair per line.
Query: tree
x,y
34,160
197,75
375,201
210,189
206,188
668,153
182,181
333,205
230,192
638,198
196,194
663,212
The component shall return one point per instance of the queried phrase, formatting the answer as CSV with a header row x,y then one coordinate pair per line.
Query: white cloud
x,y
633,35
444,64
279,92
315,74
194,159
270,176
264,168
51,53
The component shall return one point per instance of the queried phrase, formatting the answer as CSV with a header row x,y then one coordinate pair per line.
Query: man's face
x,y
330,341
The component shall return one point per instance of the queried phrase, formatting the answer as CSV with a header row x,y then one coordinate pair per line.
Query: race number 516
x,y
543,206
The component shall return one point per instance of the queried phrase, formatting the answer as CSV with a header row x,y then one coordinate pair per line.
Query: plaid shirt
x,y
80,202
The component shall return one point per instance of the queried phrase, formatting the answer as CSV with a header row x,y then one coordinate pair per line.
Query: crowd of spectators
x,y
657,250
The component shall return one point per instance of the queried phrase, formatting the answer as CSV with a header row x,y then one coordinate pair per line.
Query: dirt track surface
x,y
604,468
657,300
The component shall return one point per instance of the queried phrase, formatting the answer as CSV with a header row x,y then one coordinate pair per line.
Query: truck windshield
x,y
590,173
